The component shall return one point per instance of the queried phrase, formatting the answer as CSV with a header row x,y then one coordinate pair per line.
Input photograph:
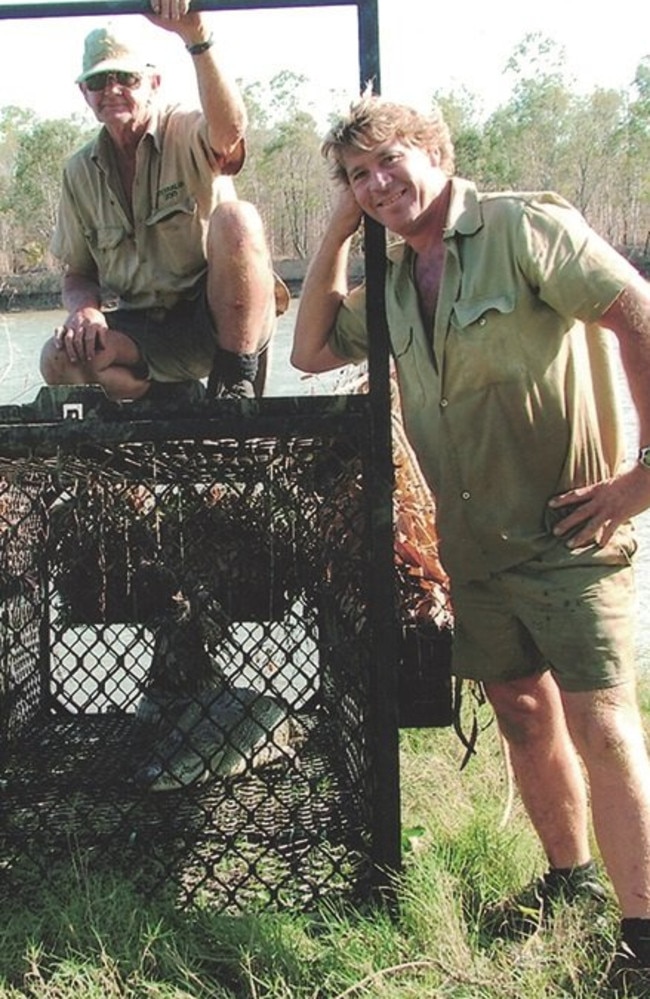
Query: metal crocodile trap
x,y
189,678
202,627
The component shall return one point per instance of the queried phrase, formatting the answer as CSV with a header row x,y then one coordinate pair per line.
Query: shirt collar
x,y
464,214
100,151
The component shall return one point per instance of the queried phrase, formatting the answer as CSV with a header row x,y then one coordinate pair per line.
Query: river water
x,y
22,335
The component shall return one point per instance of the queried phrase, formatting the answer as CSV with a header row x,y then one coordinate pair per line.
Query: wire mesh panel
x,y
22,535
187,655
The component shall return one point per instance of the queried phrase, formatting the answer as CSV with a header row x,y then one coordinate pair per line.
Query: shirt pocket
x,y
477,315
173,217
175,239
401,338
484,346
109,237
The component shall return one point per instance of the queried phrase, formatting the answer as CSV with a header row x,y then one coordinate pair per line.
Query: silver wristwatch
x,y
644,457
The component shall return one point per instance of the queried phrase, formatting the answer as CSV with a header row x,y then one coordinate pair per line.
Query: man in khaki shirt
x,y
149,217
500,310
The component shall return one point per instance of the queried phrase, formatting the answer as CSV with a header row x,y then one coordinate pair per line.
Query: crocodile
x,y
193,721
219,732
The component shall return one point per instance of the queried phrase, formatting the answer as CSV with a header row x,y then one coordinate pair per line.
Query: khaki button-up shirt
x,y
510,398
148,250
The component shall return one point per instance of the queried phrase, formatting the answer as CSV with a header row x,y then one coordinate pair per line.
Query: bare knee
x,y
55,366
527,710
236,227
606,725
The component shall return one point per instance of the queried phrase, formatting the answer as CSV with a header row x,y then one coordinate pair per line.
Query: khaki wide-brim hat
x,y
106,52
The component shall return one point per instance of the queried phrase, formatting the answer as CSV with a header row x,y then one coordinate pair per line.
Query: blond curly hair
x,y
372,120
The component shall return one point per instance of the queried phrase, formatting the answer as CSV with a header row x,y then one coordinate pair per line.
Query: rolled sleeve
x,y
349,338
576,271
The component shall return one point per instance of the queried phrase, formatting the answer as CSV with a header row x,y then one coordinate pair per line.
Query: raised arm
x,y
221,99
324,289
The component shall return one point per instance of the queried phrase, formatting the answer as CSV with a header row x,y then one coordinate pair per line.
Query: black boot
x,y
234,376
524,913
629,974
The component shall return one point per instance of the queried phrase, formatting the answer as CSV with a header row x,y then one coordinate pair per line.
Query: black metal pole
x,y
383,618
71,8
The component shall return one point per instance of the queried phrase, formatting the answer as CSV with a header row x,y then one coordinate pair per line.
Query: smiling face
x,y
120,107
395,183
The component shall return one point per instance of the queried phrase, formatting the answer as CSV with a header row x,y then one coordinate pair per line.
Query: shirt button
x,y
482,321
465,495
443,403
504,535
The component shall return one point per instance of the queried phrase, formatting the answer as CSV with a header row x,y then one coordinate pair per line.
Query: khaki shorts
x,y
179,344
576,620
176,344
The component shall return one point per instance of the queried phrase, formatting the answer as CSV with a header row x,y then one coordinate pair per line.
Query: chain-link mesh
x,y
187,683
186,659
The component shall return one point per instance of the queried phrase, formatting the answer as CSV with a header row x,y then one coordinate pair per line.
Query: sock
x,y
635,934
229,367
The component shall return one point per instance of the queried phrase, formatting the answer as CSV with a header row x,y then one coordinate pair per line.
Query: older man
x,y
149,217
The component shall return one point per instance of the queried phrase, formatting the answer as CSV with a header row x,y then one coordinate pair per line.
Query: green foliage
x,y
285,174
592,148
34,152
642,84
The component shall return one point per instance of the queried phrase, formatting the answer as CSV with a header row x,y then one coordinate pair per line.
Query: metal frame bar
x,y
387,848
74,8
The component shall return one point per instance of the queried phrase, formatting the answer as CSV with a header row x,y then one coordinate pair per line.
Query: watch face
x,y
644,456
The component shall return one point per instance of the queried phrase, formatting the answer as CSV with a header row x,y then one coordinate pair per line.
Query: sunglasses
x,y
99,81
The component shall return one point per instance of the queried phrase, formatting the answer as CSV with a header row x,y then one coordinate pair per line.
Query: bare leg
x,y
121,383
607,729
240,278
545,764
114,368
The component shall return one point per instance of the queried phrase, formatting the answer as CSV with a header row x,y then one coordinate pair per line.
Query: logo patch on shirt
x,y
171,193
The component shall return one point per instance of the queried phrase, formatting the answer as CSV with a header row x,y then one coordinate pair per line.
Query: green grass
x,y
90,936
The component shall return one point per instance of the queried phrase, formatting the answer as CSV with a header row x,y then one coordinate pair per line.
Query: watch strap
x,y
200,47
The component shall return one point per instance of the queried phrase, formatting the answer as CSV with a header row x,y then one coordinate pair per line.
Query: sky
x,y
424,46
